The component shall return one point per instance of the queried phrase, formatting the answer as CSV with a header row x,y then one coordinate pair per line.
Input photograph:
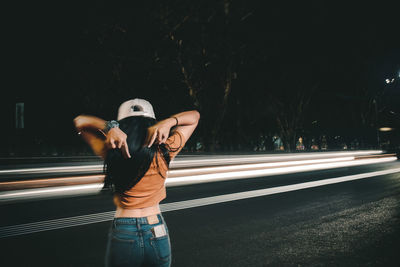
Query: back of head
x,y
136,107
122,173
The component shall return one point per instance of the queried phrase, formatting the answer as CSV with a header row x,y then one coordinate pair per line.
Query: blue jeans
x,y
133,242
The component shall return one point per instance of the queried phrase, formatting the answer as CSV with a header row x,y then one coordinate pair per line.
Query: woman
x,y
137,151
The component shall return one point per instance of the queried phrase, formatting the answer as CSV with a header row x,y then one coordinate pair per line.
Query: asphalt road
x,y
354,223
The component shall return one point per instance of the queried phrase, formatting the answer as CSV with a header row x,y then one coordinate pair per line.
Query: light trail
x,y
240,159
241,167
218,177
94,188
15,230
75,180
59,181
270,191
94,168
51,192
198,161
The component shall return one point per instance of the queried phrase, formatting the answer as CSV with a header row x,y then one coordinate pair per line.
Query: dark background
x,y
253,69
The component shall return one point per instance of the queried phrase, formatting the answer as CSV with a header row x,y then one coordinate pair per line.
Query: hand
x,y
116,138
159,132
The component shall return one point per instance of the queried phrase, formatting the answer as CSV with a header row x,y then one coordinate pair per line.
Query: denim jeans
x,y
132,242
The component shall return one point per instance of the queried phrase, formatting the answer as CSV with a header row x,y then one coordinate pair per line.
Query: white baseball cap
x,y
135,107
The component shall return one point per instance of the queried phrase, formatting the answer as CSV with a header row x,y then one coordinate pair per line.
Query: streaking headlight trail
x,y
69,186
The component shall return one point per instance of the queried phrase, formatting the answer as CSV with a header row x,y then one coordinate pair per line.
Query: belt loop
x,y
137,223
114,223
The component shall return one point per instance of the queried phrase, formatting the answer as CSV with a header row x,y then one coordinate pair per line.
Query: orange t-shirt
x,y
150,190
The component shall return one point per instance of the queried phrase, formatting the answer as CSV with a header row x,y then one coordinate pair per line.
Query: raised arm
x,y
93,130
87,122
184,122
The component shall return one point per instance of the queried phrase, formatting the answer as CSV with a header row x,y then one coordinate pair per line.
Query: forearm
x,y
89,122
185,118
185,123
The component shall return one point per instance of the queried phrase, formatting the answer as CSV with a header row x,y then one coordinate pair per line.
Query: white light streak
x,y
270,191
59,191
196,171
217,177
240,159
21,229
62,191
206,160
54,169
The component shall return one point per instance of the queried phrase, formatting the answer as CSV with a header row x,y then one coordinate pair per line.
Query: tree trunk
x,y
222,111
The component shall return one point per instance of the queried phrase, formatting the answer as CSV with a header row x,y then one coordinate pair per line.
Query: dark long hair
x,y
121,173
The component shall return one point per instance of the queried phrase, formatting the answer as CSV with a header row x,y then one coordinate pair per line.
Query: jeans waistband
x,y
141,220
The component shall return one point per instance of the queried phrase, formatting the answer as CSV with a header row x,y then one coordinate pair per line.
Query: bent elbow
x,y
78,121
197,115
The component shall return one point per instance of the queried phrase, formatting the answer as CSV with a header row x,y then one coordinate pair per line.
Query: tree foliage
x,y
252,68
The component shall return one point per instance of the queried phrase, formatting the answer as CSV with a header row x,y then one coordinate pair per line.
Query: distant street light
x,y
389,80
386,129
375,102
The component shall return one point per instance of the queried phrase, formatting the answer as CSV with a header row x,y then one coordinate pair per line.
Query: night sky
x,y
65,58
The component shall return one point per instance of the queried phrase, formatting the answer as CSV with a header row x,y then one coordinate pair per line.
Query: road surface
x,y
347,216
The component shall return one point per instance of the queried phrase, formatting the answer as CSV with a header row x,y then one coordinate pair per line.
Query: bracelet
x,y
176,121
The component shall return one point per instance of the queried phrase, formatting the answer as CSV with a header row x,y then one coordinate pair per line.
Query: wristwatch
x,y
111,124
